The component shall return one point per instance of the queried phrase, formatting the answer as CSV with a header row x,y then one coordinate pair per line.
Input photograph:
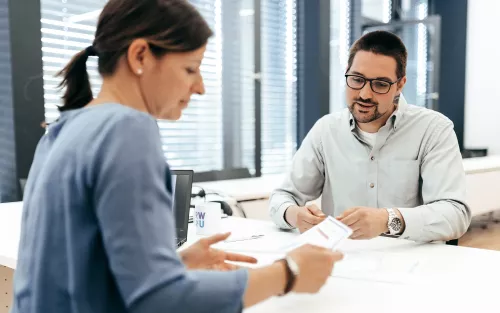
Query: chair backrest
x,y
234,173
453,242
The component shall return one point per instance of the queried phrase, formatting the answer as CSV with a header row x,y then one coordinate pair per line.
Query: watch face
x,y
395,224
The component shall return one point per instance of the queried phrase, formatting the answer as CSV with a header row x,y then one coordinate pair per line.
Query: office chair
x,y
233,173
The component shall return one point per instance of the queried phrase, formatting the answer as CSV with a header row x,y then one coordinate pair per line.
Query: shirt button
x,y
372,185
372,158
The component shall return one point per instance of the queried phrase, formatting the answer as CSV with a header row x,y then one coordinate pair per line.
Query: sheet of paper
x,y
377,266
327,234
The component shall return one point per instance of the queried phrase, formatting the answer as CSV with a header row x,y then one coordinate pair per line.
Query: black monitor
x,y
182,183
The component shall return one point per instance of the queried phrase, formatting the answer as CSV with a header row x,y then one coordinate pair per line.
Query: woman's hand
x,y
201,256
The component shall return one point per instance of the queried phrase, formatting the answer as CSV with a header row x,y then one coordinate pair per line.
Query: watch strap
x,y
290,277
392,216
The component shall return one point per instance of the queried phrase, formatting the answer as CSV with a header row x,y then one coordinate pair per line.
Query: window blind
x,y
339,51
196,141
8,175
279,79
68,26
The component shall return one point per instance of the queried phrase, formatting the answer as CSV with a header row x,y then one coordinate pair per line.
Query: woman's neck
x,y
123,91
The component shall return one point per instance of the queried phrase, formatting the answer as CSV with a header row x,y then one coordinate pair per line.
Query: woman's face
x,y
167,83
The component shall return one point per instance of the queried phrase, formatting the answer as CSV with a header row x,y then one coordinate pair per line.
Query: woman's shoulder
x,y
115,113
109,117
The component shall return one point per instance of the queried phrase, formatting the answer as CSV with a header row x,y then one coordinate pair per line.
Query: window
x,y
67,28
279,80
376,11
8,173
217,130
339,52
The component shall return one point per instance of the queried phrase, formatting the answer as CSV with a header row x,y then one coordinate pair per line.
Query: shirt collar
x,y
394,119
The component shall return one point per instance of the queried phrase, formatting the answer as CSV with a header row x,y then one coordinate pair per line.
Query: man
x,y
381,166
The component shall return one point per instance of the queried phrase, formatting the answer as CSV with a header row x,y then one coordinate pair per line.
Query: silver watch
x,y
394,223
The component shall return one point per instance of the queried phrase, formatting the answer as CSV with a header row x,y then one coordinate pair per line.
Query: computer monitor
x,y
182,183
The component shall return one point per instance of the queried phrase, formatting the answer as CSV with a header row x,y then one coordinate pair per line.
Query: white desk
x,y
447,278
482,179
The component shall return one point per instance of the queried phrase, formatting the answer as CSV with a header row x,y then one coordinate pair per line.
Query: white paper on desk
x,y
377,266
327,234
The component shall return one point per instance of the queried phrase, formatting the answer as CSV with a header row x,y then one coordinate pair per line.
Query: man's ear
x,y
401,84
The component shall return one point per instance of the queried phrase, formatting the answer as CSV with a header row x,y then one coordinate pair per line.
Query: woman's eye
x,y
190,71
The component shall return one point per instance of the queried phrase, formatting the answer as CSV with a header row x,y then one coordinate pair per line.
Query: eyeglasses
x,y
379,86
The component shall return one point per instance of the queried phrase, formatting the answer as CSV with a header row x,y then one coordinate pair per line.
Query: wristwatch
x,y
394,223
292,272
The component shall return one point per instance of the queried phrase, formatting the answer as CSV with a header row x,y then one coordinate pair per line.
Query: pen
x,y
244,238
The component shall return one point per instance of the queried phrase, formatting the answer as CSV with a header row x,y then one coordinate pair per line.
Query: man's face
x,y
368,106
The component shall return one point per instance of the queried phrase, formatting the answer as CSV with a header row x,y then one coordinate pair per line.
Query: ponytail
x,y
76,80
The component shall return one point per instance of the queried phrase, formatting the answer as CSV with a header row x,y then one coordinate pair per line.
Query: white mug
x,y
207,218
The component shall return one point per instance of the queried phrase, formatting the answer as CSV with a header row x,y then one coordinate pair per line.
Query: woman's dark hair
x,y
384,43
167,25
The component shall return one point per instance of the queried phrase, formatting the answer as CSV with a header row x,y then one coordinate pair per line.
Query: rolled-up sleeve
x,y
305,180
445,214
134,212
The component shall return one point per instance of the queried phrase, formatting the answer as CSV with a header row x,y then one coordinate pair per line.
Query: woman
x,y
97,230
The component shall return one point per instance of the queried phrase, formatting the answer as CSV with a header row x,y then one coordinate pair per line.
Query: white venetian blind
x,y
8,174
195,141
68,26
339,52
279,77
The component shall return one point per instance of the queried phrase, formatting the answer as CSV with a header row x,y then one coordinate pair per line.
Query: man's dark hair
x,y
384,43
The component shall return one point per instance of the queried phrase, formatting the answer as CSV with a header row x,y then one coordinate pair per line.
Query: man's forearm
x,y
437,221
278,205
291,215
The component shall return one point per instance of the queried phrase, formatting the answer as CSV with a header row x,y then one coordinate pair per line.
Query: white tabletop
x,y
377,275
482,164
381,275
10,231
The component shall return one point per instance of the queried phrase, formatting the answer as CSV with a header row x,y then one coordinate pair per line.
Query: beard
x,y
365,114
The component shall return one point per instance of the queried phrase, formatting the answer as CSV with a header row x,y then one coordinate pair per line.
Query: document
x,y
327,234
383,267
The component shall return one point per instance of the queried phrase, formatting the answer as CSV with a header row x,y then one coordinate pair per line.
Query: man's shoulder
x,y
425,115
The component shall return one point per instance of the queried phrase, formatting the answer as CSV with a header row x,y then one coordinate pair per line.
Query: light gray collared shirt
x,y
415,166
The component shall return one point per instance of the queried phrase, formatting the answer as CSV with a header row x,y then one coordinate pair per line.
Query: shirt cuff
x,y
414,223
280,216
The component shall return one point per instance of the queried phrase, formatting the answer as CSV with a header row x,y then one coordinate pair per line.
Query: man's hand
x,y
201,256
366,223
304,217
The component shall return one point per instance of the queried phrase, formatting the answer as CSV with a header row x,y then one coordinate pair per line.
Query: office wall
x,y
482,102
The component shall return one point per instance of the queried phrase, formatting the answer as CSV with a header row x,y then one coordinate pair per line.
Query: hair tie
x,y
90,50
